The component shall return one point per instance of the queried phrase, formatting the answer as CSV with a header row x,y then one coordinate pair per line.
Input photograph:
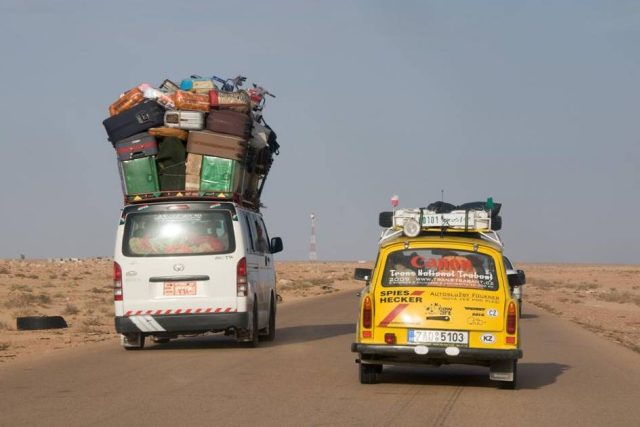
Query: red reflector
x,y
511,318
366,313
390,339
117,282
366,334
511,340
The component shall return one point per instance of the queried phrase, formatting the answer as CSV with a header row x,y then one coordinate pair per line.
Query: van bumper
x,y
376,353
181,323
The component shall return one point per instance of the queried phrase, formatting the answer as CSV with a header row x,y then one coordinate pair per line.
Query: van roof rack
x,y
182,196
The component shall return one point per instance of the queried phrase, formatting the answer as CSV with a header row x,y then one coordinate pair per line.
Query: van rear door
x,y
178,259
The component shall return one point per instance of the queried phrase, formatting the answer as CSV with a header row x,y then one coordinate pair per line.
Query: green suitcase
x,y
218,174
140,176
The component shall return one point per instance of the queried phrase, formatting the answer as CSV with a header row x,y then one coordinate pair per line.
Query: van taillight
x,y
117,282
241,278
511,318
366,313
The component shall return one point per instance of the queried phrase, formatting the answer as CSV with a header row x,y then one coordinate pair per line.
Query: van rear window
x,y
440,268
178,233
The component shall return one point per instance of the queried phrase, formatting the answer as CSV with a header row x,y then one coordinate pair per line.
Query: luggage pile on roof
x,y
203,138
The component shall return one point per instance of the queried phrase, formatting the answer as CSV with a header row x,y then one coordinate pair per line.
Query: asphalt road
x,y
568,377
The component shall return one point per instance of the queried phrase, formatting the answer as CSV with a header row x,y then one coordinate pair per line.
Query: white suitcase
x,y
188,120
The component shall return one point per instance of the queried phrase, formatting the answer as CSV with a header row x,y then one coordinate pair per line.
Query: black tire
x,y
511,385
32,323
496,223
139,346
255,333
385,219
271,333
367,373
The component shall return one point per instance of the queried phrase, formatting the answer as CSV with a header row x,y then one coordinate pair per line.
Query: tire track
x,y
448,407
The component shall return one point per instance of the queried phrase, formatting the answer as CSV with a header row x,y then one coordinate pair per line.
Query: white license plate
x,y
421,336
450,219
175,289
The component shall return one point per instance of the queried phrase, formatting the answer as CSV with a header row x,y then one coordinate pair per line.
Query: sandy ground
x,y
604,299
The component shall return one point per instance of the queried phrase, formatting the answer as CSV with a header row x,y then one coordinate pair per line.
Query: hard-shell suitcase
x,y
193,167
171,164
189,120
191,101
140,176
136,146
167,131
217,144
127,100
218,174
235,101
135,120
229,122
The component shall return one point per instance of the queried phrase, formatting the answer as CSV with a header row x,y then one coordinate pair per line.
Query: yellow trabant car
x,y
438,294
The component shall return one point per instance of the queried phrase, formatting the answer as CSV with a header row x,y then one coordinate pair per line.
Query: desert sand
x,y
602,298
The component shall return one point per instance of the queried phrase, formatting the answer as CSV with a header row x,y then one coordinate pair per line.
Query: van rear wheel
x,y
271,330
132,341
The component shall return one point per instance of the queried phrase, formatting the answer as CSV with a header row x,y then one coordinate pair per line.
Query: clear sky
x,y
535,103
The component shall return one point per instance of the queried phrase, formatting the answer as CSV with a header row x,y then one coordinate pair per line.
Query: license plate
x,y
175,289
420,336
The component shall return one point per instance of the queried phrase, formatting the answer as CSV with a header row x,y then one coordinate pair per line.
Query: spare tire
x,y
480,206
441,207
32,323
496,223
385,219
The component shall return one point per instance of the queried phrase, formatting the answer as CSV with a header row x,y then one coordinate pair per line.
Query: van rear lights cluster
x,y
366,313
390,338
242,287
117,282
511,318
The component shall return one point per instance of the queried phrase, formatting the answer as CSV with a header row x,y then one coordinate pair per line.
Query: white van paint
x,y
177,270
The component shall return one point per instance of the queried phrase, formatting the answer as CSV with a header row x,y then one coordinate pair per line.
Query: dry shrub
x,y
541,283
4,270
71,309
587,286
21,275
33,276
319,281
4,346
3,326
53,276
22,288
25,300
100,290
613,295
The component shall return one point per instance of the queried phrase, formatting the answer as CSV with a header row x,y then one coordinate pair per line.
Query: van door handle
x,y
178,279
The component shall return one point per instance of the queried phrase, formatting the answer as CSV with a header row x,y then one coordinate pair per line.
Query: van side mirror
x,y
362,274
276,245
385,219
514,280
523,278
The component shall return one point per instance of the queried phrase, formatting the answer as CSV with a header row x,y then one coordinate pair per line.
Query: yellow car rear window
x,y
440,268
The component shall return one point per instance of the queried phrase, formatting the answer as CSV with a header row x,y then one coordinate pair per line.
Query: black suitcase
x,y
135,120
171,164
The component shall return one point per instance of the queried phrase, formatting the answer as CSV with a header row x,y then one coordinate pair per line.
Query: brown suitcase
x,y
191,101
217,144
167,131
129,99
193,167
229,122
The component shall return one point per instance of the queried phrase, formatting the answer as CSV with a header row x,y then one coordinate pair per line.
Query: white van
x,y
193,267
